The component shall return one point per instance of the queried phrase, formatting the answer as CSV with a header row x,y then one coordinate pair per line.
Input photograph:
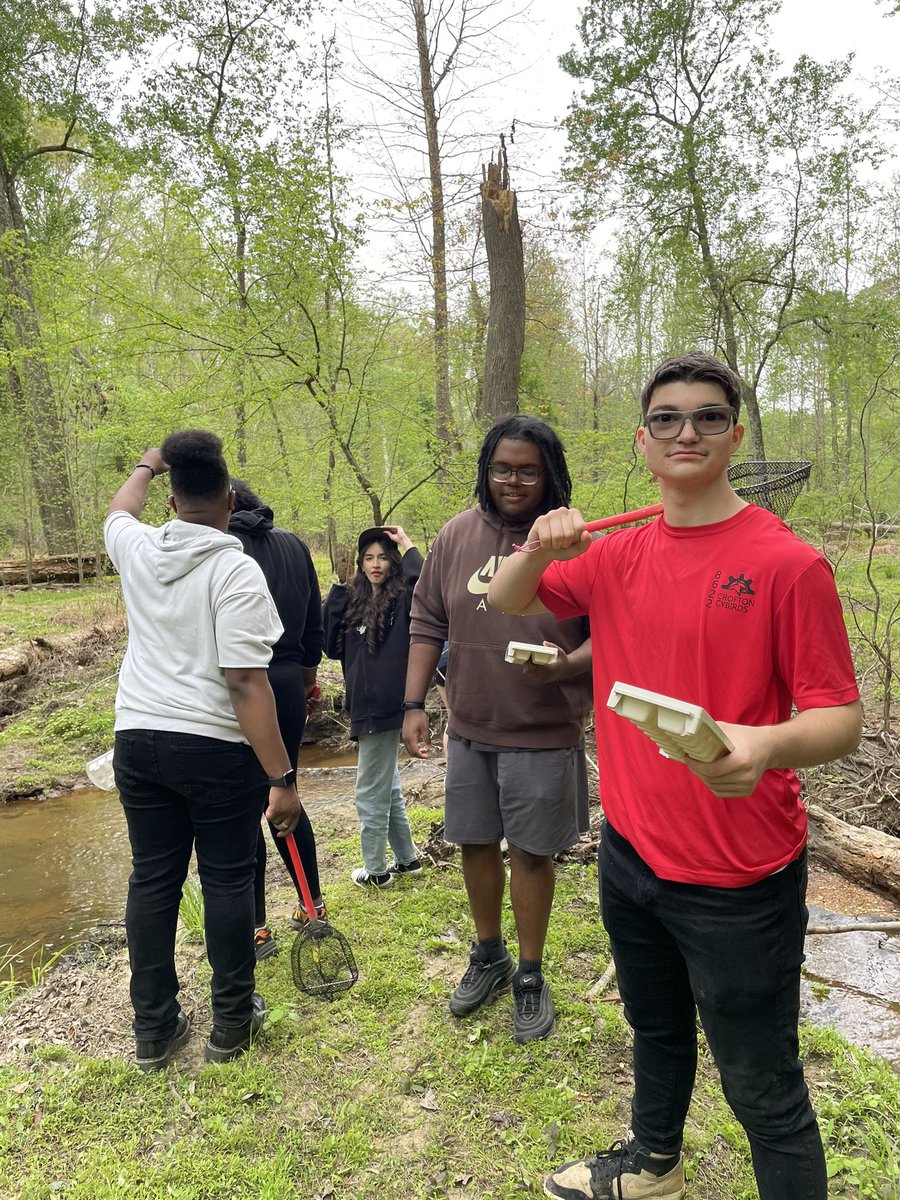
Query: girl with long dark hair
x,y
367,629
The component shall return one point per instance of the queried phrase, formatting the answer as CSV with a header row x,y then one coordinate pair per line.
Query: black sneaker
x,y
363,878
264,941
156,1055
535,1015
626,1171
407,868
482,983
227,1043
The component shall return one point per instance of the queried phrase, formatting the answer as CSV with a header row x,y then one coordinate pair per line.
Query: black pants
x,y
734,956
179,792
286,680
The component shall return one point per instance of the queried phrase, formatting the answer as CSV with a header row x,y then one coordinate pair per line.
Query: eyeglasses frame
x,y
510,471
689,415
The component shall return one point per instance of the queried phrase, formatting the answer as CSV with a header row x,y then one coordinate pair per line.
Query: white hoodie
x,y
196,604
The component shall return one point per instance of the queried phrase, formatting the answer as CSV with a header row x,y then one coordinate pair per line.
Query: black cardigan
x,y
374,683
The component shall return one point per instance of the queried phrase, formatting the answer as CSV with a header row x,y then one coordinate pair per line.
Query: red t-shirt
x,y
740,617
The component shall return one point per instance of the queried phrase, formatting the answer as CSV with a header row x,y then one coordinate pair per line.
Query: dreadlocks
x,y
558,492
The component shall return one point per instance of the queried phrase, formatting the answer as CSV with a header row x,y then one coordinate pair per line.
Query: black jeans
x,y
734,956
180,791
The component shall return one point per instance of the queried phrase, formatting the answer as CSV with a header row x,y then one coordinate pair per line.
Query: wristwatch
x,y
288,779
408,704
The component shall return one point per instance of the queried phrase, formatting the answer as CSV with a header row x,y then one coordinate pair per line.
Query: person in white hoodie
x,y
198,754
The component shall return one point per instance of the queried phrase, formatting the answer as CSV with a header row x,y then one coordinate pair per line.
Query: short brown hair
x,y
694,367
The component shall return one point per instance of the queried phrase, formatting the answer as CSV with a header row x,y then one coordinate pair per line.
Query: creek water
x,y
64,865
65,861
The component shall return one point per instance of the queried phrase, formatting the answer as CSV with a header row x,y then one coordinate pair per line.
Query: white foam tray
x,y
679,728
520,652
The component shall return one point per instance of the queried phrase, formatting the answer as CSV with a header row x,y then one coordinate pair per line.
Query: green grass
x,y
190,910
42,611
380,1093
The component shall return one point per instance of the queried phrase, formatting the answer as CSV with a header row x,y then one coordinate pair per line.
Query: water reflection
x,y
852,981
64,865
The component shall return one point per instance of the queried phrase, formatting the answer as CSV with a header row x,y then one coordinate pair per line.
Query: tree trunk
x,y
506,266
31,388
442,411
480,319
865,856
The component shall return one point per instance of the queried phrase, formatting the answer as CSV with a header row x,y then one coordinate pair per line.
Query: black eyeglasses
x,y
666,424
527,476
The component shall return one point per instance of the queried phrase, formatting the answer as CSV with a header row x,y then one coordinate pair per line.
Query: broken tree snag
x,y
506,267
863,855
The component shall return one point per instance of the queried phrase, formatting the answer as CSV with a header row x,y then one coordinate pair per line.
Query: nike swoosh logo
x,y
480,580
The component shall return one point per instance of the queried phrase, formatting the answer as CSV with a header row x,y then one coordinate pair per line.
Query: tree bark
x,y
30,384
863,855
506,266
442,409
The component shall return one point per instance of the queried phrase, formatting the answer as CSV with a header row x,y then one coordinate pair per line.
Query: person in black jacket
x,y
292,581
367,629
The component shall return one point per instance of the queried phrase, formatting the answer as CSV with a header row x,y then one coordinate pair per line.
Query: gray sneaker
x,y
535,1015
482,983
626,1171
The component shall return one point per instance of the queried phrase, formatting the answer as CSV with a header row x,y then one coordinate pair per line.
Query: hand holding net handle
x,y
639,514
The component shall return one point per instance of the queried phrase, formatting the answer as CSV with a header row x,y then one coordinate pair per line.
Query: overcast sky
x,y
531,87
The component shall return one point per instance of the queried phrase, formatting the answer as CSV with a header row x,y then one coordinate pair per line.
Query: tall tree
x,y
53,68
427,83
689,126
233,65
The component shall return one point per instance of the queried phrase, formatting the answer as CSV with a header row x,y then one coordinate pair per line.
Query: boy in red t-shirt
x,y
703,865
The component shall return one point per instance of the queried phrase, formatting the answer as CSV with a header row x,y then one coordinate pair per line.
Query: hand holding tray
x,y
521,652
681,730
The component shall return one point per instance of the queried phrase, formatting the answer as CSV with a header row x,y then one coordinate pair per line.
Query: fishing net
x,y
773,485
322,962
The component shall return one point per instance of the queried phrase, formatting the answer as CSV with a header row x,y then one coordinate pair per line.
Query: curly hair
x,y
245,499
369,608
196,464
558,492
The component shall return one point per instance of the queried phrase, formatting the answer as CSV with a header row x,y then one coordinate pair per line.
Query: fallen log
x,y
25,657
59,568
857,927
862,855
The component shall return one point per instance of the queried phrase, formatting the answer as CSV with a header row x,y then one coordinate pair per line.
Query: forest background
x,y
264,217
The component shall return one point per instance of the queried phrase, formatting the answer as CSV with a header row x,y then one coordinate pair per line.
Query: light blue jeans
x,y
379,803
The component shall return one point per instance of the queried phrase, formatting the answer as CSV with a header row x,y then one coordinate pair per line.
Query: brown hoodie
x,y
488,701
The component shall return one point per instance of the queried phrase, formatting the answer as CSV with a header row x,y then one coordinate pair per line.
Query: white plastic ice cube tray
x,y
679,729
520,652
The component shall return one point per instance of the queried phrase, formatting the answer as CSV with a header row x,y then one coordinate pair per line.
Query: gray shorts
x,y
536,799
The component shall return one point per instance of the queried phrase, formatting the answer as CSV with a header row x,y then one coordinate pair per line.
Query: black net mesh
x,y
772,485
322,962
